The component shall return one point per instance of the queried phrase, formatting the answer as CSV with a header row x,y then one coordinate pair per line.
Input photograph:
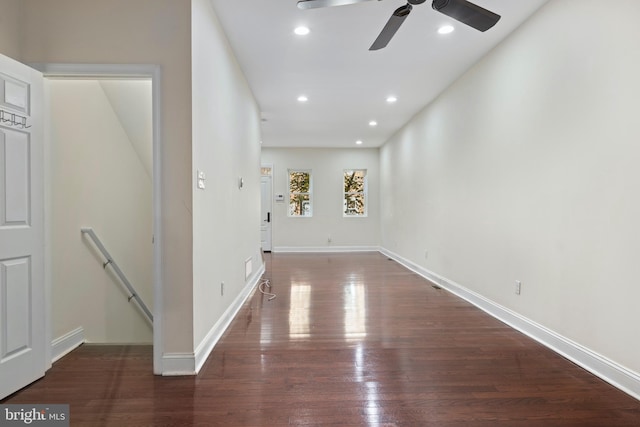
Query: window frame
x,y
364,192
310,193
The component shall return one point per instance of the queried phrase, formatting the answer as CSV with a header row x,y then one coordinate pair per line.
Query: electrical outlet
x,y
426,254
518,287
222,289
329,239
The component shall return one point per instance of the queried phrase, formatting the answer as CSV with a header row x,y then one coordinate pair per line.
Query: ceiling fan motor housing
x,y
468,13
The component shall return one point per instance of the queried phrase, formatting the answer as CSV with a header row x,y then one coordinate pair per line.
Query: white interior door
x,y
265,226
22,293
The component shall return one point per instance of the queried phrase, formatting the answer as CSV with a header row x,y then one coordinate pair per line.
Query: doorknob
x,y
268,216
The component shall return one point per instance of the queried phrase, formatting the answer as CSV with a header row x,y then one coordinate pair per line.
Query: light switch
x,y
201,179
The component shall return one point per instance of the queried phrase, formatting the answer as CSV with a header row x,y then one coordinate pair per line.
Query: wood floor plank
x,y
351,340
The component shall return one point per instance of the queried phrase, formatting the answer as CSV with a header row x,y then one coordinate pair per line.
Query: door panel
x,y
15,188
22,299
15,287
14,94
265,225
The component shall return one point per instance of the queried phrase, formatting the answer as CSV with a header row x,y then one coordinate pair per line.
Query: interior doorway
x,y
101,178
266,172
126,173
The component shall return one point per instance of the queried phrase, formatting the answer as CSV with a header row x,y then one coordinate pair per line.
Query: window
x,y
265,171
300,193
354,200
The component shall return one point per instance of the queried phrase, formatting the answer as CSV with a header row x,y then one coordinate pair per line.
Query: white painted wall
x,y
525,169
226,134
226,146
327,166
145,32
11,19
131,101
98,181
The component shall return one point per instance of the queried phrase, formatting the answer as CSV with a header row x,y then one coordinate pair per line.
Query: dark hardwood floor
x,y
350,340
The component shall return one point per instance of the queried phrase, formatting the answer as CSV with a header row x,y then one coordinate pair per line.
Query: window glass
x,y
300,202
354,201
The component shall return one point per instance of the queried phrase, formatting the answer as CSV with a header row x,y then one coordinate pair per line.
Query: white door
x,y
22,299
265,226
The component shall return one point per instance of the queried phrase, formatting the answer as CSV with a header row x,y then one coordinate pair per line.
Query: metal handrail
x,y
119,273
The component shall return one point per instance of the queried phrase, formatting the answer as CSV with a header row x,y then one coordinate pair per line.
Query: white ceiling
x,y
345,82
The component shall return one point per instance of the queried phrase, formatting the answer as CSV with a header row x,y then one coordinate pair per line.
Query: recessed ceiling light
x,y
446,29
303,98
391,99
359,142
373,123
301,30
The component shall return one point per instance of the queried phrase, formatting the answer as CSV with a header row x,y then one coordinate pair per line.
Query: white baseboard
x,y
174,364
324,249
211,339
65,344
616,375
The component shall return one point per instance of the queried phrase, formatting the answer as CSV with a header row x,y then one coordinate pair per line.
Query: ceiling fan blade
x,y
391,27
315,4
468,13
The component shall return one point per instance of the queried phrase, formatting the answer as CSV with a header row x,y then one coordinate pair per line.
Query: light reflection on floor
x,y
299,311
355,311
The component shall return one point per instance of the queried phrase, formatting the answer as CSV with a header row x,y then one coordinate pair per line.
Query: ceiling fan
x,y
461,10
